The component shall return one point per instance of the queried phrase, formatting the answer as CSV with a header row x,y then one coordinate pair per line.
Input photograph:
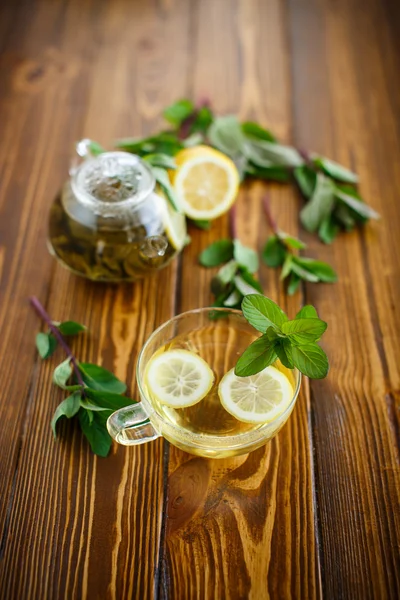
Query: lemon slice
x,y
179,378
174,223
206,182
256,399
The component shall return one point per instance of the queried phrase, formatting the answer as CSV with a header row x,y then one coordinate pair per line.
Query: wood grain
x,y
316,513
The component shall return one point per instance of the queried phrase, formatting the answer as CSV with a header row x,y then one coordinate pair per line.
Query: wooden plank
x,y
243,527
75,525
344,109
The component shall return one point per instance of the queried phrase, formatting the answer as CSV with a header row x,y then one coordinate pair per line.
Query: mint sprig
x,y
281,250
294,342
95,392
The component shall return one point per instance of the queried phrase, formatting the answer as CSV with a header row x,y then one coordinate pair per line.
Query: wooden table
x,y
314,514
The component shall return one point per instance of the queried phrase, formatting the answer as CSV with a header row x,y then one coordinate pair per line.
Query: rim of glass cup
x,y
244,437
137,198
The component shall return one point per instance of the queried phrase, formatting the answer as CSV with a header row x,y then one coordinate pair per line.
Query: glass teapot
x,y
108,224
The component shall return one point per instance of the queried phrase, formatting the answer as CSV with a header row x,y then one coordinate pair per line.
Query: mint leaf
x,y
246,257
358,206
90,406
163,143
320,269
108,400
307,312
201,223
233,300
95,431
62,373
217,253
95,148
268,154
225,133
261,312
304,330
283,349
46,344
67,408
163,181
254,130
292,242
179,111
306,180
302,272
70,328
328,230
98,378
294,283
311,360
259,355
320,205
244,287
250,280
165,161
202,120
287,266
270,173
274,252
333,169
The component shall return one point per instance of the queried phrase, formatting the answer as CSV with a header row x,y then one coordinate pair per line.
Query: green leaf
x,y
227,272
321,269
100,379
306,180
244,287
271,173
302,272
283,349
108,400
261,312
321,204
194,139
234,299
245,257
217,253
358,206
287,266
345,217
274,252
90,406
253,130
163,143
178,112
250,280
95,148
310,360
68,408
165,161
70,328
292,242
162,179
293,285
225,133
328,229
201,223
268,154
95,432
307,312
46,344
202,120
259,355
333,169
304,330
62,373
272,334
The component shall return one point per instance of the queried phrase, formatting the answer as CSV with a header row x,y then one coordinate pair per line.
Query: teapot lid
x,y
112,181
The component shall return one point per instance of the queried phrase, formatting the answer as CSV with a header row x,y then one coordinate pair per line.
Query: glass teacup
x,y
219,336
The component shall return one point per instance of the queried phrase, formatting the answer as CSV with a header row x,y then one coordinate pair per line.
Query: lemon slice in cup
x,y
259,398
206,182
179,378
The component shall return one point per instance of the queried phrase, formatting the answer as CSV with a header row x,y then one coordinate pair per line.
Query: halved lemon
x,y
174,222
206,182
256,399
179,378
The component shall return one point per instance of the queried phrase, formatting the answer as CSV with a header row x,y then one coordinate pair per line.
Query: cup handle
x,y
131,426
